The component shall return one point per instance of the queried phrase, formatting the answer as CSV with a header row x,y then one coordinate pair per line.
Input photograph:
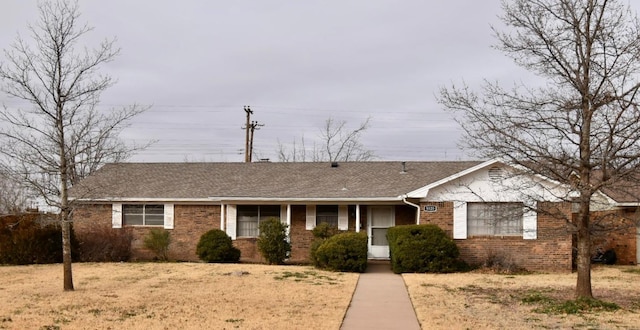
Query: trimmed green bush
x,y
321,233
324,231
422,249
345,252
158,240
216,246
272,241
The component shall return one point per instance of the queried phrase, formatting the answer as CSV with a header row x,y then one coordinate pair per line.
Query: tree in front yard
x,y
56,135
580,128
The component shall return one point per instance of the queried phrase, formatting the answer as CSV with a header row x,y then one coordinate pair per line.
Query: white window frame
x,y
259,218
118,215
343,216
495,219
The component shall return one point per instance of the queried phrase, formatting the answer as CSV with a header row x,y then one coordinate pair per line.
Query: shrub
x,y
272,241
216,246
105,244
503,263
422,248
321,233
158,241
24,239
324,231
345,252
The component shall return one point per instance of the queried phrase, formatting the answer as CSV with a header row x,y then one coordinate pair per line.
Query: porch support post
x,y
357,218
288,222
222,217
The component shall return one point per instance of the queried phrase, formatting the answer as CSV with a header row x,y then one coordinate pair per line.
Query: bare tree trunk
x,y
66,252
59,136
583,285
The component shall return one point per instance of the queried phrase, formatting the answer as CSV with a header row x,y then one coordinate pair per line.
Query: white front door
x,y
380,218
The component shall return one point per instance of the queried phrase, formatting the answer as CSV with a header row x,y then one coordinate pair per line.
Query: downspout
x,y
404,200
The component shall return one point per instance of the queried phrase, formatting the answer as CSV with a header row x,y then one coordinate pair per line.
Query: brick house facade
x,y
193,198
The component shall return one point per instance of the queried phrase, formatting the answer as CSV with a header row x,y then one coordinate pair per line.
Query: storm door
x,y
380,219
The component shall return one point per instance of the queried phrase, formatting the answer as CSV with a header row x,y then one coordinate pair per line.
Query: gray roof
x,y
349,180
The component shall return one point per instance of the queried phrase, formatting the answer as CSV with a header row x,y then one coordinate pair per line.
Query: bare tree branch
x,y
62,136
338,144
581,128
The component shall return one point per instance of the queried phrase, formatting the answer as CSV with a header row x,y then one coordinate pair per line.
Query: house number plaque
x,y
430,208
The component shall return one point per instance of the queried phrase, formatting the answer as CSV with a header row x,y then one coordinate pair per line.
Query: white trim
x,y
422,192
357,218
141,200
459,220
116,215
343,217
288,221
311,217
168,216
530,223
231,221
627,204
222,218
328,200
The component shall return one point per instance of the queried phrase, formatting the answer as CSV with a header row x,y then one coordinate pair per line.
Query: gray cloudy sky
x,y
296,63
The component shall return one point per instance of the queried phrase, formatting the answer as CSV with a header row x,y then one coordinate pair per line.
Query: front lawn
x,y
174,296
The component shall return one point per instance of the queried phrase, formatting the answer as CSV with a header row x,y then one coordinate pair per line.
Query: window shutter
x,y
343,217
530,224
231,221
116,215
459,220
311,217
168,216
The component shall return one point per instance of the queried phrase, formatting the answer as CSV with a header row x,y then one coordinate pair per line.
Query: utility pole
x,y
254,126
247,127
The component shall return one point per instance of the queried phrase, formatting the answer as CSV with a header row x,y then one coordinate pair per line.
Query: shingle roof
x,y
263,180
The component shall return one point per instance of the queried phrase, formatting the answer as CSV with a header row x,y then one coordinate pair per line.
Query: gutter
x,y
404,200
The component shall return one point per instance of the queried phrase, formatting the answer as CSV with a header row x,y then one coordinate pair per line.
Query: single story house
x,y
486,210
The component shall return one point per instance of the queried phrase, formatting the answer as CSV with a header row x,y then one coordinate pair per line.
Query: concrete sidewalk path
x,y
381,301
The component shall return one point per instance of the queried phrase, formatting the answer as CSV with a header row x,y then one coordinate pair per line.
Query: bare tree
x,y
60,136
582,127
337,144
14,198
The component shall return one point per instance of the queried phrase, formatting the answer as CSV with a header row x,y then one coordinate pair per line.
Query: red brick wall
x,y
405,215
550,251
618,232
190,222
301,238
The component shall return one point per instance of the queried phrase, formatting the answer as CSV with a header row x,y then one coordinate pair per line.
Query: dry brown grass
x,y
174,296
230,296
494,301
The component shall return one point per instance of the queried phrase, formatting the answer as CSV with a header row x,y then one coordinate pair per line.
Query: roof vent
x,y
495,174
334,164
404,167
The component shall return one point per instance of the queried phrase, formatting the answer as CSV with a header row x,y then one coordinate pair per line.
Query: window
x,y
327,214
494,219
250,216
143,215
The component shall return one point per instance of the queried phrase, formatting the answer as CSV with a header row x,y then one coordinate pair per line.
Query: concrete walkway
x,y
380,301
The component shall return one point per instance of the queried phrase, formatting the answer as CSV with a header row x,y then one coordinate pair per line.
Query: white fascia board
x,y
422,192
249,200
627,204
141,200
612,201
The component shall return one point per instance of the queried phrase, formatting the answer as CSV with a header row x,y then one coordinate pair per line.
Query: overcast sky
x,y
296,63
